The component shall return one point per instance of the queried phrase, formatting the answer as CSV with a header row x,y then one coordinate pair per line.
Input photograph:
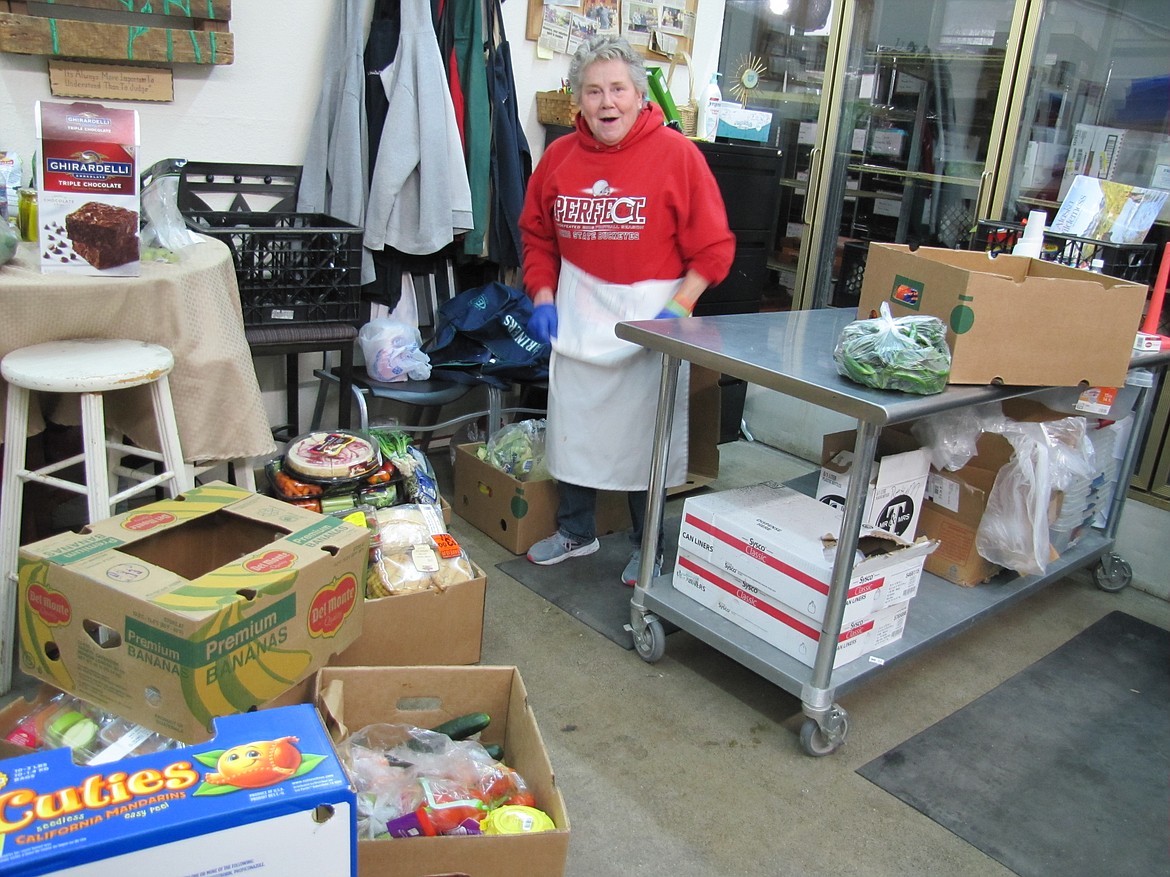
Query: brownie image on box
x,y
103,235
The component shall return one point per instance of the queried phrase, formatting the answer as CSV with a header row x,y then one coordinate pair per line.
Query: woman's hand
x,y
542,325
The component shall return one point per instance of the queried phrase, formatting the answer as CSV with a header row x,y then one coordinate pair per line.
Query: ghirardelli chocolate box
x,y
88,201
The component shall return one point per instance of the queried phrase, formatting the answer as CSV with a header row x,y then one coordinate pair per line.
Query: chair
x,y
89,367
299,274
432,289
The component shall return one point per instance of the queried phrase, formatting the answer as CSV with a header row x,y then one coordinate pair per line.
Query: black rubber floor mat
x,y
1062,769
589,588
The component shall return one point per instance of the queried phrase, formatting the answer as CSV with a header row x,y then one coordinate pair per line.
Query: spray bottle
x,y
708,122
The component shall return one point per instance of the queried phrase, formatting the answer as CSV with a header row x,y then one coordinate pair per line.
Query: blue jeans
x,y
577,514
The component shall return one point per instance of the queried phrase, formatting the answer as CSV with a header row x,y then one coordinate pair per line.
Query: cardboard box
x,y
517,514
896,483
955,506
88,209
790,631
783,544
424,627
1092,152
205,605
1011,320
353,697
178,811
956,501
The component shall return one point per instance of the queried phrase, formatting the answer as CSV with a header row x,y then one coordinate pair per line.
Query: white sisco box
x,y
781,626
783,543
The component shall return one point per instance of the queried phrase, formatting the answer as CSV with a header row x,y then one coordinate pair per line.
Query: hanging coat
x,y
419,194
334,176
381,47
511,163
477,115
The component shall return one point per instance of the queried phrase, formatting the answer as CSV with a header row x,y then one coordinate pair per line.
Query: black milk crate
x,y
290,267
1128,261
847,288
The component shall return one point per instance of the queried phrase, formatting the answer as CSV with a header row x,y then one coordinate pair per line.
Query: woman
x,y
623,220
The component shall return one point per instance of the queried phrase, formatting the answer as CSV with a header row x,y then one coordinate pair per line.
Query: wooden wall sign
x,y
110,81
167,31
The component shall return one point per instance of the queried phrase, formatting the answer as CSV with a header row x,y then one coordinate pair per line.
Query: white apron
x,y
603,390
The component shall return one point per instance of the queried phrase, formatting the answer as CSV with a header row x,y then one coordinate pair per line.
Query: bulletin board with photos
x,y
658,28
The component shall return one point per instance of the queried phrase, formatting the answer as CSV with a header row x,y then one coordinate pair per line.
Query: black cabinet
x,y
749,179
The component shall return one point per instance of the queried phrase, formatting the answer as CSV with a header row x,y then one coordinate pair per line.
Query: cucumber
x,y
494,750
462,727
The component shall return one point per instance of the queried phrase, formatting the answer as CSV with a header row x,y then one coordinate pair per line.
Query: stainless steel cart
x,y
791,353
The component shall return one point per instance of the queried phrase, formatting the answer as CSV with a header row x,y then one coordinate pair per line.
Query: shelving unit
x,y
791,353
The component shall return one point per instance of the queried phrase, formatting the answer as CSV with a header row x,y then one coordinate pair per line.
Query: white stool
x,y
89,367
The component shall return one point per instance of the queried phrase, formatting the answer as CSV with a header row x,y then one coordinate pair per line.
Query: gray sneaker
x,y
558,547
630,573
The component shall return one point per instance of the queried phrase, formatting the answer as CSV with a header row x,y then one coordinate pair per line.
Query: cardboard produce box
x,y
956,500
1011,320
209,604
955,506
517,514
782,544
353,697
435,626
897,479
213,808
792,632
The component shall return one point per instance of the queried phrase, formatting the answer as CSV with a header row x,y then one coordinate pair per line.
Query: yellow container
x,y
26,216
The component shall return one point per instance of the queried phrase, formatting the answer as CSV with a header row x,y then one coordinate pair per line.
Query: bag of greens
x,y
908,353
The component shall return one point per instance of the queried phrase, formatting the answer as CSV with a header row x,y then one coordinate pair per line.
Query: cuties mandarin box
x,y
212,603
266,795
88,204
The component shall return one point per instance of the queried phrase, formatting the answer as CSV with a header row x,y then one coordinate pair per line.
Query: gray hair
x,y
607,48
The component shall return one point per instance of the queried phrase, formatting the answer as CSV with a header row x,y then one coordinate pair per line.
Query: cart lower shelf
x,y
939,611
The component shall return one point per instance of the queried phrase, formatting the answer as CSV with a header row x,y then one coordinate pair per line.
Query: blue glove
x,y
542,325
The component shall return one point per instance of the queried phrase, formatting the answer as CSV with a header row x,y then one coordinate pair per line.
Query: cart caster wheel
x,y
816,742
651,643
1112,574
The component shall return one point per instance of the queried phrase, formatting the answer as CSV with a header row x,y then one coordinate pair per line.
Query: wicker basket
x,y
556,108
688,114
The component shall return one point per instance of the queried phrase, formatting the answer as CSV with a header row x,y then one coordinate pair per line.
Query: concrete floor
x,y
692,767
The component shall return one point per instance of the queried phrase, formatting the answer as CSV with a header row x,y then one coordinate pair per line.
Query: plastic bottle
x,y
708,122
1031,242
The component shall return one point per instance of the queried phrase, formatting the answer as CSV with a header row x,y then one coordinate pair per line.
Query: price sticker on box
x,y
447,546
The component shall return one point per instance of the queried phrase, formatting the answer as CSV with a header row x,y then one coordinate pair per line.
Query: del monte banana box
x,y
266,795
212,603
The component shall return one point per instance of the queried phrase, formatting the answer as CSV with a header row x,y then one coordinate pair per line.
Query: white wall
x,y
259,108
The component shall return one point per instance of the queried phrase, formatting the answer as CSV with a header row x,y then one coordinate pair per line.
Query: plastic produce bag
x,y
908,353
412,782
950,437
518,449
1049,456
392,351
164,227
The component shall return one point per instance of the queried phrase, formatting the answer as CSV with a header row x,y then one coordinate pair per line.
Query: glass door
x,y
773,57
912,141
890,119
1096,102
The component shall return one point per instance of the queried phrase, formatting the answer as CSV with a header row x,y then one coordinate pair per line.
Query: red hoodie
x,y
646,209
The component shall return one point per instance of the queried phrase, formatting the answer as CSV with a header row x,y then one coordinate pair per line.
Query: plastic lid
x,y
332,457
516,819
